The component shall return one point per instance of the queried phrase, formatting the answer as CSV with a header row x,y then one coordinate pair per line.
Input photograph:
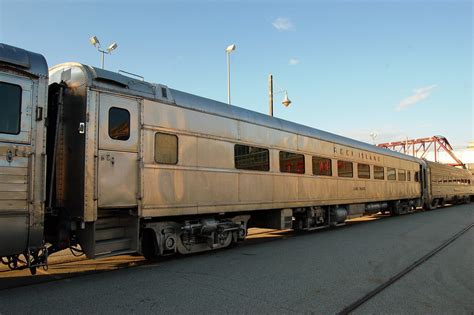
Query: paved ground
x,y
319,272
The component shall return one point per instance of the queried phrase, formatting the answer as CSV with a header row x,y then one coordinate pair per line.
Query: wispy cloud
x,y
283,24
418,95
293,62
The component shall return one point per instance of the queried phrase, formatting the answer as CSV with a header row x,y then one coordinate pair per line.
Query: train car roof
x,y
27,61
116,82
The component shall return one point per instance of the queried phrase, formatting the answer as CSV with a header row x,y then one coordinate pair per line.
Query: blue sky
x,y
399,68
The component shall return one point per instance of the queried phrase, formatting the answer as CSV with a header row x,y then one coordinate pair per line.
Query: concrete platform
x,y
318,272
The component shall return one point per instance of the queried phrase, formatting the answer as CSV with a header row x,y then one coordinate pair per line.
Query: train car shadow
x,y
64,265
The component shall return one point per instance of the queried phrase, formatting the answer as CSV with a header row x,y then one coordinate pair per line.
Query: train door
x,y
16,161
118,152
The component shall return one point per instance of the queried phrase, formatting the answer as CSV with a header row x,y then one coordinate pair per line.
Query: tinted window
x,y
417,176
251,158
10,108
391,173
119,124
291,162
322,166
408,176
402,175
166,148
363,171
379,172
345,169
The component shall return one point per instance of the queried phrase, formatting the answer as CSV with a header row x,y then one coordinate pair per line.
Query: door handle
x,y
82,128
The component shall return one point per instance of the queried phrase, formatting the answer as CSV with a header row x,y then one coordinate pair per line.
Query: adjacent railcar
x,y
23,97
449,184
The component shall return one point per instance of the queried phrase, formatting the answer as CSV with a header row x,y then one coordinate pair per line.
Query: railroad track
x,y
371,294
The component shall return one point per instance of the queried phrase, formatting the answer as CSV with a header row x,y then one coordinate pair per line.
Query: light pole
x,y
228,50
286,101
95,42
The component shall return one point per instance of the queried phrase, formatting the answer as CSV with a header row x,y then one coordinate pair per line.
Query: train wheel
x,y
395,208
432,205
150,248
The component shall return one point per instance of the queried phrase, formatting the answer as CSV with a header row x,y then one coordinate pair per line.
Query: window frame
x,y
394,173
358,172
251,146
282,169
352,169
383,172
322,158
400,172
155,147
20,109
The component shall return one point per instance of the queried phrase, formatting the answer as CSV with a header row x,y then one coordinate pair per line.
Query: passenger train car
x,y
118,165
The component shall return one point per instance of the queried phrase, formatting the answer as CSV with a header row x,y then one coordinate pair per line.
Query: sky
x,y
398,69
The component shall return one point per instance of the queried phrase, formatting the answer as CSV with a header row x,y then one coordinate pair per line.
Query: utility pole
x,y
270,93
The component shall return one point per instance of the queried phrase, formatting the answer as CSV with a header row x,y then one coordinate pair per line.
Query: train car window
x,y
166,148
322,166
402,175
291,163
363,171
251,158
119,124
379,172
10,107
417,176
408,176
345,169
391,173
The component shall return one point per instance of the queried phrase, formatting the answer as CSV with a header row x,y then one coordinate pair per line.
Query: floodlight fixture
x,y
230,48
94,41
112,47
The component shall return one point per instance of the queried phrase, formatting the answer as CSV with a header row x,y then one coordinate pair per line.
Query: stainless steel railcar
x,y
139,167
448,184
23,101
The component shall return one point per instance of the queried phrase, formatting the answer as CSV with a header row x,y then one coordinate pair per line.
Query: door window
x,y
119,124
10,107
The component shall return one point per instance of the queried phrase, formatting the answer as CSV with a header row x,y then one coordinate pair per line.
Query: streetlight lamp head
x,y
112,46
286,101
230,48
94,41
